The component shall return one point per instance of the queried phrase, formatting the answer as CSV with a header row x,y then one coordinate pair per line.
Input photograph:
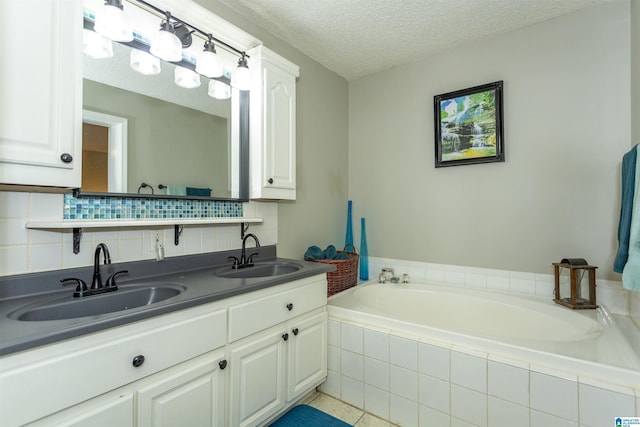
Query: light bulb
x,y
144,63
186,78
241,77
219,90
96,45
165,44
112,22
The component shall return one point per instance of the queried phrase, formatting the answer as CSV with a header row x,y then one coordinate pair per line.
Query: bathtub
x,y
580,348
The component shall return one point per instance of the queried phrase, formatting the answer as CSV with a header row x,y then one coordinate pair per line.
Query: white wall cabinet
x,y
40,83
273,125
210,365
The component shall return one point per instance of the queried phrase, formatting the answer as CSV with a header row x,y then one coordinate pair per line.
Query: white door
x,y
192,394
258,368
40,83
114,409
307,354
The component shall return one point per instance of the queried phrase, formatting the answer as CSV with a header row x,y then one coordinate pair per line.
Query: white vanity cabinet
x,y
273,367
273,125
40,83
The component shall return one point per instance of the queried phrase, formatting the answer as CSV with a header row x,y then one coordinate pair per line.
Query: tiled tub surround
x,y
25,250
394,372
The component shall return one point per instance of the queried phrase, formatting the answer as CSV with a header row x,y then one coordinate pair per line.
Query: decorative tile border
x,y
84,207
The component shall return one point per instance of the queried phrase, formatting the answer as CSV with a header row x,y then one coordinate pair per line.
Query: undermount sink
x,y
124,298
263,269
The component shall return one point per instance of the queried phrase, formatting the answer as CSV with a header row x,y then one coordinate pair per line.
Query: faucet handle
x,y
250,259
235,260
111,281
81,286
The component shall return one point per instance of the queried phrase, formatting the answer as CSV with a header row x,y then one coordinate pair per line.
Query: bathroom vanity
x,y
225,351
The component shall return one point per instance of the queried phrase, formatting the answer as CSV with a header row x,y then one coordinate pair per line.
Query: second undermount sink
x,y
124,298
261,269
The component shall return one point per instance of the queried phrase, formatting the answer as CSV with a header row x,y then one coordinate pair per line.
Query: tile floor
x,y
344,411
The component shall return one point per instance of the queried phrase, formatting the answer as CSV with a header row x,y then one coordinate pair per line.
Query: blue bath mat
x,y
307,416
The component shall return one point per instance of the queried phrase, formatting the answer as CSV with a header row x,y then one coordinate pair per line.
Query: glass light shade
x,y
96,45
209,64
186,78
219,90
166,46
113,23
144,63
241,77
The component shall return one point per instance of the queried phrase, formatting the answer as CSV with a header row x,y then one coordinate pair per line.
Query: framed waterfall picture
x,y
468,126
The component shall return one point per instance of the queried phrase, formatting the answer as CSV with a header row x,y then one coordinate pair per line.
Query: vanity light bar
x,y
198,30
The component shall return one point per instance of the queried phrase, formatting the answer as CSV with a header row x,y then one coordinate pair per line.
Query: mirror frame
x,y
243,143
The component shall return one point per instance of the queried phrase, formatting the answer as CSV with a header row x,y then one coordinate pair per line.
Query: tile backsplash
x,y
25,250
84,207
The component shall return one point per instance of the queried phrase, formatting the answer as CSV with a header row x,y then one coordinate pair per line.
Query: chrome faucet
x,y
244,261
96,283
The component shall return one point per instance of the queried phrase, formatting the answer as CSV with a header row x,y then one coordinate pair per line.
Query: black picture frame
x,y
468,126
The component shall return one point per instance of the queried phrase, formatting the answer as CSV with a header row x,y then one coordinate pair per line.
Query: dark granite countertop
x,y
195,272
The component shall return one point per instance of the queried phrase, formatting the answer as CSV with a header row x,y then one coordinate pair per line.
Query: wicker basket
x,y
346,274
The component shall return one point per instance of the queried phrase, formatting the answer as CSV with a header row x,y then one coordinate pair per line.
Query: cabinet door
x,y
40,83
257,388
114,409
192,394
280,131
307,354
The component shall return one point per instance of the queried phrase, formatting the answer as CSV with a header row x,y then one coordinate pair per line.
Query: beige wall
x,y
567,125
318,215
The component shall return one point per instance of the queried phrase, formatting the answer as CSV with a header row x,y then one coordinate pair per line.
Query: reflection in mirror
x,y
175,140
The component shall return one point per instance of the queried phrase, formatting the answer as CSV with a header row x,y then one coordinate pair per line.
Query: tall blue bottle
x,y
364,252
348,239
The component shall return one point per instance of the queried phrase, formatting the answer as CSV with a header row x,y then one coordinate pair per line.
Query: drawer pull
x,y
138,361
290,306
66,158
285,336
222,364
295,331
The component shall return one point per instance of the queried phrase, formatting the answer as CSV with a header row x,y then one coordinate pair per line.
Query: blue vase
x,y
348,240
364,252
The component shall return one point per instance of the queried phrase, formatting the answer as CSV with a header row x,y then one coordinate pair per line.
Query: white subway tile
x,y
353,392
14,260
508,382
333,358
333,332
403,352
14,204
403,382
599,407
403,412
454,275
553,395
45,257
433,360
351,338
376,344
46,206
431,418
332,386
352,365
457,422
434,393
503,413
376,401
469,405
435,273
469,371
13,232
540,419
376,373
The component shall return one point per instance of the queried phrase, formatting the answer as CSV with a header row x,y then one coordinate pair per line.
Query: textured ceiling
x,y
359,37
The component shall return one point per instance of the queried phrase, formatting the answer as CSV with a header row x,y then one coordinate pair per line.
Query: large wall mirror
x,y
145,136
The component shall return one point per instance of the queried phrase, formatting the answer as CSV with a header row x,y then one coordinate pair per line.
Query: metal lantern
x,y
575,283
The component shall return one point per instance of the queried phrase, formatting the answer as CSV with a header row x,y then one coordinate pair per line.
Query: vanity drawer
x,y
268,310
38,382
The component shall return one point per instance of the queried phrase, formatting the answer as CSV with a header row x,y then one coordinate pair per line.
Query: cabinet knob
x,y
285,336
222,364
66,158
295,331
138,361
270,180
290,306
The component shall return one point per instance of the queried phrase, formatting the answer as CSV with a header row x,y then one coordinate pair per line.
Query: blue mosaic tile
x,y
84,207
